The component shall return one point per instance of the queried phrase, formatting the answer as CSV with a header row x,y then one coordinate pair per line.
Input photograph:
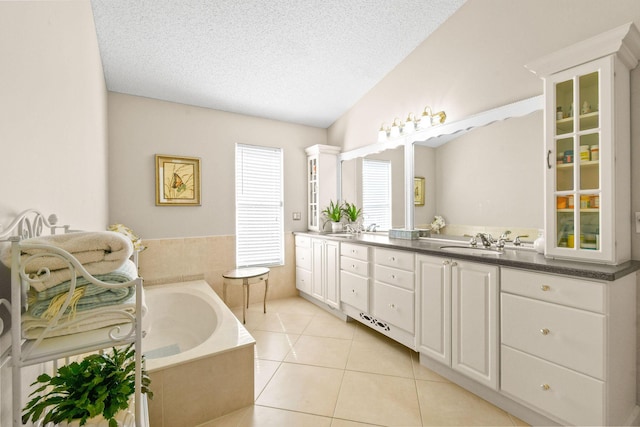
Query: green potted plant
x,y
333,213
351,211
101,385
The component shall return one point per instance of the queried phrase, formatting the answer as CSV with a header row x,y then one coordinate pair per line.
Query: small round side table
x,y
245,277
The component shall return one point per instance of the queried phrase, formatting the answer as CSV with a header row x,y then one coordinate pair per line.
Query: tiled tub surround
x,y
197,372
456,286
207,257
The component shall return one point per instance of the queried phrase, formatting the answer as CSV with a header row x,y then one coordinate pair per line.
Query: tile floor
x,y
313,369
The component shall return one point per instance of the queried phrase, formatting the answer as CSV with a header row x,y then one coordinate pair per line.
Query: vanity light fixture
x,y
413,123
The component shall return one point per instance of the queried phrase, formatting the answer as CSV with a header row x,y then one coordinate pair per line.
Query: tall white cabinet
x,y
587,147
322,182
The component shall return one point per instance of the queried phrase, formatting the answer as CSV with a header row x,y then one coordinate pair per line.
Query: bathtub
x,y
198,355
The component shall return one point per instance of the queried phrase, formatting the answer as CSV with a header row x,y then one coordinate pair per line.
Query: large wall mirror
x,y
479,171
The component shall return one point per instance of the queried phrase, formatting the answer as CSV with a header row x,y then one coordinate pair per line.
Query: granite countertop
x,y
524,258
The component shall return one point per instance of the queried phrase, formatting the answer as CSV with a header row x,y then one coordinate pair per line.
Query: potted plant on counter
x,y
353,215
333,213
91,392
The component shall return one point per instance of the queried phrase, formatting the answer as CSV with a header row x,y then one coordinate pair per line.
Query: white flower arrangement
x,y
135,240
437,224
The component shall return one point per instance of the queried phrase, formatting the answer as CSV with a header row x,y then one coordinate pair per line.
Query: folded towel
x,y
86,296
97,318
99,252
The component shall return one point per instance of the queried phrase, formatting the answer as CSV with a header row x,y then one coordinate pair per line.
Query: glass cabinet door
x,y
577,180
313,193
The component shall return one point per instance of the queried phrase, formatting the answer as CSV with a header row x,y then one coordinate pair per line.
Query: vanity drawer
x,y
354,266
303,257
393,276
394,305
577,293
303,280
395,259
354,290
563,335
575,398
303,241
354,251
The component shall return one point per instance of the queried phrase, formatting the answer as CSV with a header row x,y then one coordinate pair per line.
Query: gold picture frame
x,y
418,191
177,181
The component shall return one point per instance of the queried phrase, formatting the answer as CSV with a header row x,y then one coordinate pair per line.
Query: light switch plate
x,y
297,216
637,222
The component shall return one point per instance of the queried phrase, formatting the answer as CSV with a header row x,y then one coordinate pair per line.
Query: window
x,y
259,216
376,193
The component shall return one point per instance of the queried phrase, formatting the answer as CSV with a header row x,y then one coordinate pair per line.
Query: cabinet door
x,y
332,270
317,255
434,308
474,324
579,191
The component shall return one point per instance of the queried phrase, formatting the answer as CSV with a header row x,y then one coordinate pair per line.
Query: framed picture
x,y
177,181
418,191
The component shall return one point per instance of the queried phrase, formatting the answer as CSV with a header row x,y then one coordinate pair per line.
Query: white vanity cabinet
x,y
322,182
303,263
587,147
458,316
318,269
354,276
393,288
568,346
325,271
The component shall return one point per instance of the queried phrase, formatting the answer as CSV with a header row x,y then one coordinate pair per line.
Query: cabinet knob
x,y
393,276
445,262
353,291
453,263
544,331
353,266
392,305
545,387
545,288
392,258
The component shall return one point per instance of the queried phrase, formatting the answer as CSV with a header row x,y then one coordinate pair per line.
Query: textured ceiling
x,y
300,61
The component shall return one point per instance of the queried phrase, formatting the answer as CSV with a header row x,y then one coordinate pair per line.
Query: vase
x,y
336,227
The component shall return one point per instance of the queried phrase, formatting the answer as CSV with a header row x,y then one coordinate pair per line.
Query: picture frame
x,y
177,180
418,191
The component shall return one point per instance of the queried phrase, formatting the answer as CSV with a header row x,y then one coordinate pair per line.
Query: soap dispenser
x,y
538,244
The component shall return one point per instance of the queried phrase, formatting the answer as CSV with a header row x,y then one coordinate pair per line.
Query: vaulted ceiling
x,y
300,61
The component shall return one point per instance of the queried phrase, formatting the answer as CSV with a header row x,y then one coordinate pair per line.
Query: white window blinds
x,y
376,193
259,216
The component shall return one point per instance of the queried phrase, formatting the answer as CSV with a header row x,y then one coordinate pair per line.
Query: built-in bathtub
x,y
198,355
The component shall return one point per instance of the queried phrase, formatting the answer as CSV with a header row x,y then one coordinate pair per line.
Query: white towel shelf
x,y
25,352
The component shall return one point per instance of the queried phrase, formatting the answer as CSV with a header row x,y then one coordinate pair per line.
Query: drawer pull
x,y
393,276
545,288
453,263
445,262
545,387
392,258
353,266
544,331
392,305
353,291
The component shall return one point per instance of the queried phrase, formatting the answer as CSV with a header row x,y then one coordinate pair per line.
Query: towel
x,y
87,295
99,252
97,318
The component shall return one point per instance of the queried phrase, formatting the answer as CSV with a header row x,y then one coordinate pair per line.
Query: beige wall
x,y
53,138
52,112
139,128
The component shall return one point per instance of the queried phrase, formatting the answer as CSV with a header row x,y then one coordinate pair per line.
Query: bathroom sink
x,y
469,250
340,234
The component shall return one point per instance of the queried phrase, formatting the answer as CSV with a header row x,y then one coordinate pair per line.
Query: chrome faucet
x,y
372,227
486,239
